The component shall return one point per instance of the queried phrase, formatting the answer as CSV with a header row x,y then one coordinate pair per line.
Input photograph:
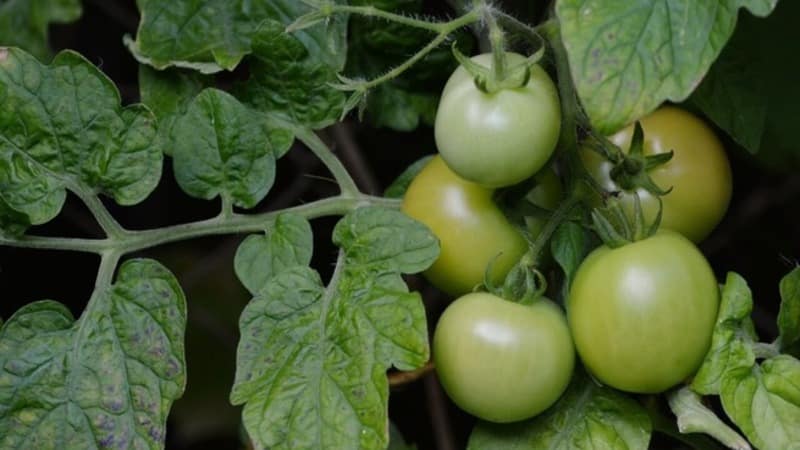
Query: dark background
x,y
758,239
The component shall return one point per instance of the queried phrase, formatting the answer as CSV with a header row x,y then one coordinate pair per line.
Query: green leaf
x,y
569,246
789,315
287,242
763,402
62,127
168,94
311,364
587,416
106,380
24,23
627,57
392,107
377,46
732,94
222,147
287,81
400,185
728,350
212,35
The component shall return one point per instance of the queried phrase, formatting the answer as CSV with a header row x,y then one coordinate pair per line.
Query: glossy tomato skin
x,y
642,315
502,138
503,361
472,230
699,172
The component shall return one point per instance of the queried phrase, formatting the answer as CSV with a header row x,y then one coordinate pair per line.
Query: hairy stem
x,y
110,226
334,165
560,215
371,11
239,223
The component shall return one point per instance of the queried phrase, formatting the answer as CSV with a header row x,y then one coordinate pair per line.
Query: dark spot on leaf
x,y
358,393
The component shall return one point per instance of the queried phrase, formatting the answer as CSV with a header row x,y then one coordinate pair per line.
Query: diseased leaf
x,y
587,416
106,380
24,23
311,364
789,314
222,147
212,35
287,81
627,57
762,402
400,185
168,94
287,242
62,127
728,351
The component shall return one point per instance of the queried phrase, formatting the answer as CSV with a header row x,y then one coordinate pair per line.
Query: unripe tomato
x,y
472,230
698,173
642,315
502,138
503,361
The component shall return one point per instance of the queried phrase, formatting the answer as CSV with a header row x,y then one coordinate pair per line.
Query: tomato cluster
x,y
640,316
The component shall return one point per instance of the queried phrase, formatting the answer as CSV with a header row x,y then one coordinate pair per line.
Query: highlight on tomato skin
x,y
502,138
472,230
642,315
503,361
699,173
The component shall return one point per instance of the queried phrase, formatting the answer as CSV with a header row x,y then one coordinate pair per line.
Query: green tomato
x,y
502,138
698,173
642,315
503,361
472,230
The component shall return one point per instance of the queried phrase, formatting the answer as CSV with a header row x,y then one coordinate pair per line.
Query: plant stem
x,y
371,11
444,31
401,378
323,152
238,223
110,226
497,39
560,215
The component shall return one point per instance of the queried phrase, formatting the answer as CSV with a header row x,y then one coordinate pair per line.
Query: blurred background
x,y
759,238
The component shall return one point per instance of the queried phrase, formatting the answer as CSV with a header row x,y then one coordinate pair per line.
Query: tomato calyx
x,y
631,169
523,284
615,227
490,80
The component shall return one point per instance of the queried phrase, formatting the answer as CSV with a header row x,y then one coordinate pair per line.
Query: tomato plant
x,y
287,285
501,138
699,174
473,233
642,314
503,361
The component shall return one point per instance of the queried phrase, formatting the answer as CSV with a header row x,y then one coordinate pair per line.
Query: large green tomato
x,y
699,172
472,230
503,361
642,315
502,138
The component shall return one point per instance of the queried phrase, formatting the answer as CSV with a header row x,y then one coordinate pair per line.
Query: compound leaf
x,y
311,364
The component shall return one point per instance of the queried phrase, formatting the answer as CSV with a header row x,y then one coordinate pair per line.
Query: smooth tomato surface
x,y
642,315
699,172
503,361
502,138
472,230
